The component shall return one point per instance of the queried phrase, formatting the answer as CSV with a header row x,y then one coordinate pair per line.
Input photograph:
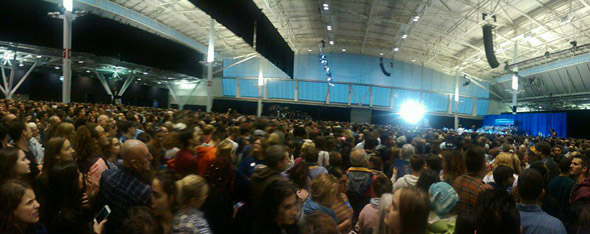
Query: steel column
x,y
67,60
515,79
210,65
13,90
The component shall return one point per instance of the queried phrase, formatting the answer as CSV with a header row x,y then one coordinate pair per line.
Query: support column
x,y
105,84
238,94
173,93
20,82
450,105
210,60
126,85
328,95
515,79
11,78
474,110
456,101
370,96
349,94
296,91
391,94
260,87
67,59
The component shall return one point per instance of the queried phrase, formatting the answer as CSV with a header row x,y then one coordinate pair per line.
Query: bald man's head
x,y
102,120
136,155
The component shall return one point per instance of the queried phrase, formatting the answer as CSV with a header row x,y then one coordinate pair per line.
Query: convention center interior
x,y
295,116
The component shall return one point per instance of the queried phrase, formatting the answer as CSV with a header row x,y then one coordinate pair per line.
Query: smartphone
x,y
103,214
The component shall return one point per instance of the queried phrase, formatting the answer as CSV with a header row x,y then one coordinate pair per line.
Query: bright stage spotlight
x,y
412,112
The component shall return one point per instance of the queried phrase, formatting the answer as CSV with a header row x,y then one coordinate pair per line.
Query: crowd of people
x,y
170,171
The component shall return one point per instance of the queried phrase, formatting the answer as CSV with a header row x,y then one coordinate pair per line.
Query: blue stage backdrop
x,y
534,123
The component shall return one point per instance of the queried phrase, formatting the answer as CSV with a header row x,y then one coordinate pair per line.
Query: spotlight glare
x,y
404,36
331,42
343,50
412,112
396,49
329,28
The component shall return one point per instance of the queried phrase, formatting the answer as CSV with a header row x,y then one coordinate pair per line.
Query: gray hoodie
x,y
405,182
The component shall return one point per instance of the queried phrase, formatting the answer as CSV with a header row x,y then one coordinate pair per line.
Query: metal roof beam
x,y
148,22
368,26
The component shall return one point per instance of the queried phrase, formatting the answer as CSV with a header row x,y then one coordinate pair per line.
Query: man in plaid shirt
x,y
471,184
122,189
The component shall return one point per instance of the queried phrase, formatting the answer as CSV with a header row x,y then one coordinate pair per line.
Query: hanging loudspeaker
x,y
488,42
383,68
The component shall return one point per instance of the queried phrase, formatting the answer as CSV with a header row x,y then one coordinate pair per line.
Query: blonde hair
x,y
307,144
508,159
189,187
225,149
324,189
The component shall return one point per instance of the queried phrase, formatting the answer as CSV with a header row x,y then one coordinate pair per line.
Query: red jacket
x,y
185,163
581,190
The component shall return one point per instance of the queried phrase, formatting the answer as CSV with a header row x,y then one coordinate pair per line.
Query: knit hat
x,y
443,198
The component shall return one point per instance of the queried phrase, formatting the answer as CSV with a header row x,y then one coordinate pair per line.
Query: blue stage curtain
x,y
534,123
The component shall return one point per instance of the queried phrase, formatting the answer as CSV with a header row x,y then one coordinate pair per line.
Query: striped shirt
x,y
342,209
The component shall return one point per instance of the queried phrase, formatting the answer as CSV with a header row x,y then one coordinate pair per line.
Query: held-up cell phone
x,y
103,214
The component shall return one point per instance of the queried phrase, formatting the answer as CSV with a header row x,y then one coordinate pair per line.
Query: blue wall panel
x,y
313,91
435,102
360,69
360,94
482,106
282,89
381,96
229,87
248,88
339,93
465,105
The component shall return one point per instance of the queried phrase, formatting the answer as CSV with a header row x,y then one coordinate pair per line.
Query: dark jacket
x,y
359,180
262,177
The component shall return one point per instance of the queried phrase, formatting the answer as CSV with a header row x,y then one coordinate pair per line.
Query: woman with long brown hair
x,y
408,212
19,211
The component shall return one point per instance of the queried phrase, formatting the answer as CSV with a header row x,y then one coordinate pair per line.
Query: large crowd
x,y
170,171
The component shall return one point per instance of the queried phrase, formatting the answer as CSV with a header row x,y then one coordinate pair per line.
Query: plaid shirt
x,y
468,187
121,190
190,221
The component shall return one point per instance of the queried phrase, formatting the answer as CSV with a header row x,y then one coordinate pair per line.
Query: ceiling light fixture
x,y
87,71
145,73
416,18
331,42
20,64
138,78
404,36
329,28
39,56
325,5
413,60
309,50
80,61
381,54
396,49
343,50
56,68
